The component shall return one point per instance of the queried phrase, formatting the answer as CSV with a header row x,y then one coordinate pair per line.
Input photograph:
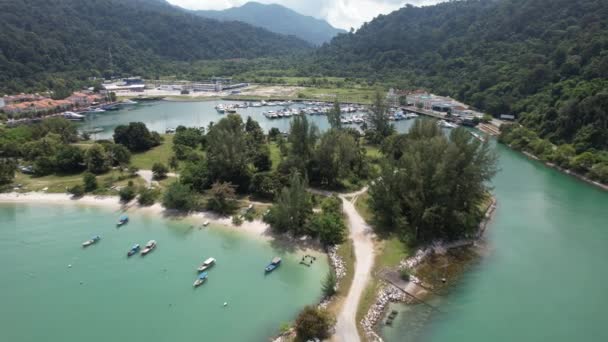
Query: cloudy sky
x,y
340,13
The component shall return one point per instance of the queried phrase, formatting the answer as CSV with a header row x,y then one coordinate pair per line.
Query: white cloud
x,y
340,13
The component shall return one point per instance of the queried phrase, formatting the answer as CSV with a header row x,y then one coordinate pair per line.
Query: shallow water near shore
x,y
544,278
105,296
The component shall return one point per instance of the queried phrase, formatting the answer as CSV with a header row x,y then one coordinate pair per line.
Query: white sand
x,y
256,227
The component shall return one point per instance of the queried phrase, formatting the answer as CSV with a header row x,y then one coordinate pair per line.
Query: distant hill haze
x,y
110,37
278,19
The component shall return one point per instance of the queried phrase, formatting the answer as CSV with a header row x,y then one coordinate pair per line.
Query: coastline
x,y
255,228
562,170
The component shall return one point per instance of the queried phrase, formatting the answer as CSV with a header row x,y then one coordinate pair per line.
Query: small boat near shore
x,y
201,279
205,224
133,250
92,241
151,245
122,221
206,264
445,124
273,265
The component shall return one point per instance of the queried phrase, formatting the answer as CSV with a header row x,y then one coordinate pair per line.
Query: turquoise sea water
x,y
545,277
106,296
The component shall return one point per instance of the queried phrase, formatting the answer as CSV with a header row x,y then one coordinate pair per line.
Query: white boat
x,y
256,105
230,109
445,124
149,247
73,116
205,224
129,102
220,108
206,264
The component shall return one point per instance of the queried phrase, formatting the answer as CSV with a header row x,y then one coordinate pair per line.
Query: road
x,y
361,234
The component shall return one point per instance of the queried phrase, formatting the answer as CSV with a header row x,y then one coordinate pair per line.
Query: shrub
x,y
329,284
313,323
181,197
147,196
237,220
405,274
160,171
127,194
89,181
77,191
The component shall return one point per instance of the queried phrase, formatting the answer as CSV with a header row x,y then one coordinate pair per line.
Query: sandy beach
x,y
256,227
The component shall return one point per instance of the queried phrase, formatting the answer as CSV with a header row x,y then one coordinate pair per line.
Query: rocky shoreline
x,y
391,293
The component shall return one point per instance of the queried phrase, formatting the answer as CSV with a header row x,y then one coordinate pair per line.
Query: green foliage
x,y
7,170
191,137
302,138
96,159
329,284
292,209
118,154
405,274
69,159
273,133
159,171
89,182
313,323
329,227
127,194
433,190
147,196
379,127
223,198
237,220
537,59
264,185
77,191
337,156
228,153
57,45
334,116
179,196
195,174
136,137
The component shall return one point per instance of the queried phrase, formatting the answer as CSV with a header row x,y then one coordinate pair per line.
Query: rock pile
x,y
388,294
339,268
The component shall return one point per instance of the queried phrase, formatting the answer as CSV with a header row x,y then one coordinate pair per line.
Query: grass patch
x,y
362,206
161,153
347,253
60,183
275,155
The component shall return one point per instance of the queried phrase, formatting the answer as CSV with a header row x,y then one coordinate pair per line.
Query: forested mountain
x,y
43,37
544,60
279,19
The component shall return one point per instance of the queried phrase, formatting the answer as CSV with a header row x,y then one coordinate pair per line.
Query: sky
x,y
340,13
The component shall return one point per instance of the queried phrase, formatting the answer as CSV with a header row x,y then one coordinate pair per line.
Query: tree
x,y
173,163
254,131
273,133
127,194
228,153
7,170
264,185
159,170
69,159
261,158
338,155
136,137
293,207
190,137
379,126
147,196
89,182
313,323
329,227
223,198
196,175
180,197
96,159
118,154
435,188
334,116
329,284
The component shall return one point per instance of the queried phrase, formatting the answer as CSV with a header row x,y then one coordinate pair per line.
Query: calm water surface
x,y
106,297
545,278
159,116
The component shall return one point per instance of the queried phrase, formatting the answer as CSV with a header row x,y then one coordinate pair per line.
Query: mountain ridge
x,y
278,19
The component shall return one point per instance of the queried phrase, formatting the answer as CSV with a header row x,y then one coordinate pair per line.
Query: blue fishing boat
x,y
122,220
273,265
201,279
93,240
133,250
